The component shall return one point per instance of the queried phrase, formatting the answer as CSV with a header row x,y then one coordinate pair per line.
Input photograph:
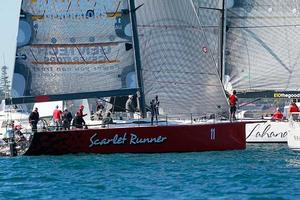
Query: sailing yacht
x,y
13,123
293,138
262,59
103,48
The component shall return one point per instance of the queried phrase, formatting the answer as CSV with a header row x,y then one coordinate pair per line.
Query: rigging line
x,y
137,7
70,2
208,8
104,53
249,102
206,40
44,13
78,4
113,107
95,3
55,55
33,55
105,8
116,11
45,53
155,74
118,53
81,55
203,32
216,50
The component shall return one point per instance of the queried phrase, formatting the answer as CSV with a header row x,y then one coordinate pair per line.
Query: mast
x,y
223,39
222,35
137,56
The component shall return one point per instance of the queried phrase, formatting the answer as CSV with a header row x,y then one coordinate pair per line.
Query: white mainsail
x,y
210,17
84,46
75,47
179,44
262,47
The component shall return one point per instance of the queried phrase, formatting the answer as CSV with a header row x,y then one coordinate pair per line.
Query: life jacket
x,y
293,108
232,100
277,115
56,114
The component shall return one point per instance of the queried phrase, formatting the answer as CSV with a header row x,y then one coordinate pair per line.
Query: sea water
x,y
262,171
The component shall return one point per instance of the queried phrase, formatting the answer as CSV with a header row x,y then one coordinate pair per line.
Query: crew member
x,y
232,103
99,106
293,110
57,118
78,121
80,114
153,110
277,115
108,119
66,119
156,108
34,118
129,107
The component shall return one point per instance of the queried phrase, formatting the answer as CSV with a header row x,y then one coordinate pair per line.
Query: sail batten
x,y
46,98
76,45
76,62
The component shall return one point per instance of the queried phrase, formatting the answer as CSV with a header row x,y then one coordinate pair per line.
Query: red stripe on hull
x,y
154,139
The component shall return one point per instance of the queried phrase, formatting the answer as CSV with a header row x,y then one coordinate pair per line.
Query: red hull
x,y
154,139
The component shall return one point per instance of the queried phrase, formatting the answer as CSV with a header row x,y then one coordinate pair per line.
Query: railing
x,y
18,146
120,119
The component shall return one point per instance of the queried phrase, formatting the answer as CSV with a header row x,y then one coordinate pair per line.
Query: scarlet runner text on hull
x,y
156,139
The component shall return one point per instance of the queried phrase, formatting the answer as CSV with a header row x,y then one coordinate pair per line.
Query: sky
x,y
9,22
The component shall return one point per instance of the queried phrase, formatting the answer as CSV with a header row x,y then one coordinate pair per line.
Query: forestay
x,y
262,47
180,55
